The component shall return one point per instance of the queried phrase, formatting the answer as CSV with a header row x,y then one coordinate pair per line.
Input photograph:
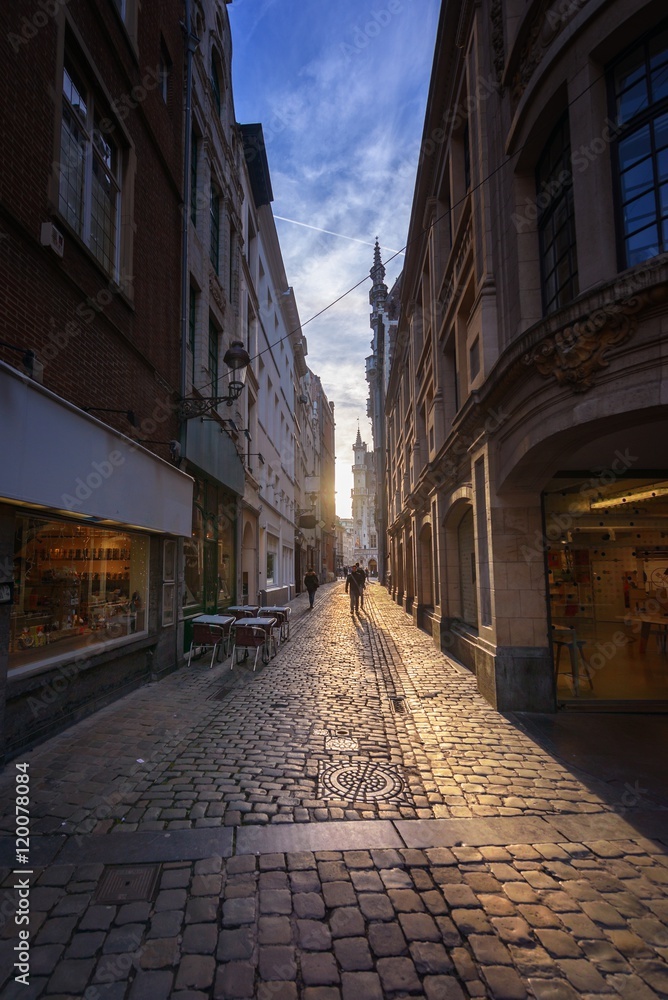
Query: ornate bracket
x,y
575,355
189,408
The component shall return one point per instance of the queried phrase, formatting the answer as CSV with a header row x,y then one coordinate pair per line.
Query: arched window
x,y
215,85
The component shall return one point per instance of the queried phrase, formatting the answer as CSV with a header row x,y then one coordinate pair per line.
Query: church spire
x,y
358,439
377,272
378,291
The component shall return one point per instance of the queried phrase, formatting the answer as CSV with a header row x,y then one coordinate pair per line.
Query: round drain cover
x,y
362,782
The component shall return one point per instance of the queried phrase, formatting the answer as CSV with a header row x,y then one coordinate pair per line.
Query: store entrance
x,y
607,565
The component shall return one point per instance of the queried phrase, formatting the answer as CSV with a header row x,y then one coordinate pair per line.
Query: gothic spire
x,y
358,439
377,272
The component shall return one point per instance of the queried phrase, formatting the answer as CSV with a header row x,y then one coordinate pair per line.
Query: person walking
x,y
311,584
353,588
361,579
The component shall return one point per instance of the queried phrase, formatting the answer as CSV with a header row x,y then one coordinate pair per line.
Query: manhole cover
x,y
120,885
363,782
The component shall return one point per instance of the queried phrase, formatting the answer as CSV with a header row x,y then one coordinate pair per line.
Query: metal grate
x,y
398,705
121,885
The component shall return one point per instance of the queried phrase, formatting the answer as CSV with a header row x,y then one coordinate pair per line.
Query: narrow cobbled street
x,y
352,821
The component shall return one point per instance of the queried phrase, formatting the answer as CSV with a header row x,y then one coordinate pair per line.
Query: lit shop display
x,y
74,586
607,582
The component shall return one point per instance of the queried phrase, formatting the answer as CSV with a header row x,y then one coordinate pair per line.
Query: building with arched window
x,y
527,469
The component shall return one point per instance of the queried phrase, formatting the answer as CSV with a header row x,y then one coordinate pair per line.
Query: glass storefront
x,y
607,564
210,568
75,586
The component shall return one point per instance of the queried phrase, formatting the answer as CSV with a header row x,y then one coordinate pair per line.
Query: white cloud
x,y
341,92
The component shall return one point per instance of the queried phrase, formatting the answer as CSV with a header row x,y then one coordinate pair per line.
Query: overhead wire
x,y
418,236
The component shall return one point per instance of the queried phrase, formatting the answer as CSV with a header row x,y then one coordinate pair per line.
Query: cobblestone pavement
x,y
351,821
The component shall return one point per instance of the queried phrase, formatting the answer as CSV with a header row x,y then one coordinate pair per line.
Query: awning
x,y
57,457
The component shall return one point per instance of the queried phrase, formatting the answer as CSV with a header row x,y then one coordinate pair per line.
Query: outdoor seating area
x,y
225,635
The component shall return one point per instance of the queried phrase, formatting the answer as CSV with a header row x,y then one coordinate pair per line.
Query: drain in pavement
x,y
121,885
398,705
359,782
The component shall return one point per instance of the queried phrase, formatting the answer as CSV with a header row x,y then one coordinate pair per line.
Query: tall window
x,y
556,220
214,212
215,86
639,85
213,357
89,188
192,325
193,179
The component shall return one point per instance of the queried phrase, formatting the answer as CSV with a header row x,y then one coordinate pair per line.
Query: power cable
x,y
438,219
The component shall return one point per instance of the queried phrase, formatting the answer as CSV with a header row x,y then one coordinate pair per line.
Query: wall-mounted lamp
x,y
237,360
174,447
28,359
131,418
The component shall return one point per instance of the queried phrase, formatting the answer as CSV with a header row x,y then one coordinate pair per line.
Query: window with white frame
x,y
90,170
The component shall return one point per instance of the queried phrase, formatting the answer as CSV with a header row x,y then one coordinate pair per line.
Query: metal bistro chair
x,y
257,637
282,613
243,611
206,634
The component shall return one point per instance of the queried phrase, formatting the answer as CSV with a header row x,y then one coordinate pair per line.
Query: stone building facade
x,y
526,405
363,493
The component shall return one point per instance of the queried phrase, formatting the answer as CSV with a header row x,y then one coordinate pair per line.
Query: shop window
x,y
467,581
193,561
226,564
89,170
169,582
75,587
556,220
271,567
639,89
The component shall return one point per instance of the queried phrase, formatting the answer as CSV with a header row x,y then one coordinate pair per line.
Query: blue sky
x,y
340,89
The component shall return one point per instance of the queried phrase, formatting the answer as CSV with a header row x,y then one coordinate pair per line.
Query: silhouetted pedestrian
x,y
311,583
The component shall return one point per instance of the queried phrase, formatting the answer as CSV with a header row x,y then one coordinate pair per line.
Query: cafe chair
x,y
252,637
208,635
575,672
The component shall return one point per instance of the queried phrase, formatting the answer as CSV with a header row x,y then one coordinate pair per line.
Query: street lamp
x,y
237,360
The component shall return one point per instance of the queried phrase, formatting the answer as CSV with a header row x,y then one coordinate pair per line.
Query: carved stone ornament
x,y
575,355
550,19
496,17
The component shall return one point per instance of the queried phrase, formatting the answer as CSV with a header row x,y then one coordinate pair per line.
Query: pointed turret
x,y
358,439
378,292
377,272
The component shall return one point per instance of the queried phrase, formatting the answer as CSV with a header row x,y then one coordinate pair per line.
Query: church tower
x,y
365,537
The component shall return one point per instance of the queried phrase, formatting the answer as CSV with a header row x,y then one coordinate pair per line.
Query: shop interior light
x,y
631,496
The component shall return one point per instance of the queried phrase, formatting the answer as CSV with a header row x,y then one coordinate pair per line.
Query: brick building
x,y
91,503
